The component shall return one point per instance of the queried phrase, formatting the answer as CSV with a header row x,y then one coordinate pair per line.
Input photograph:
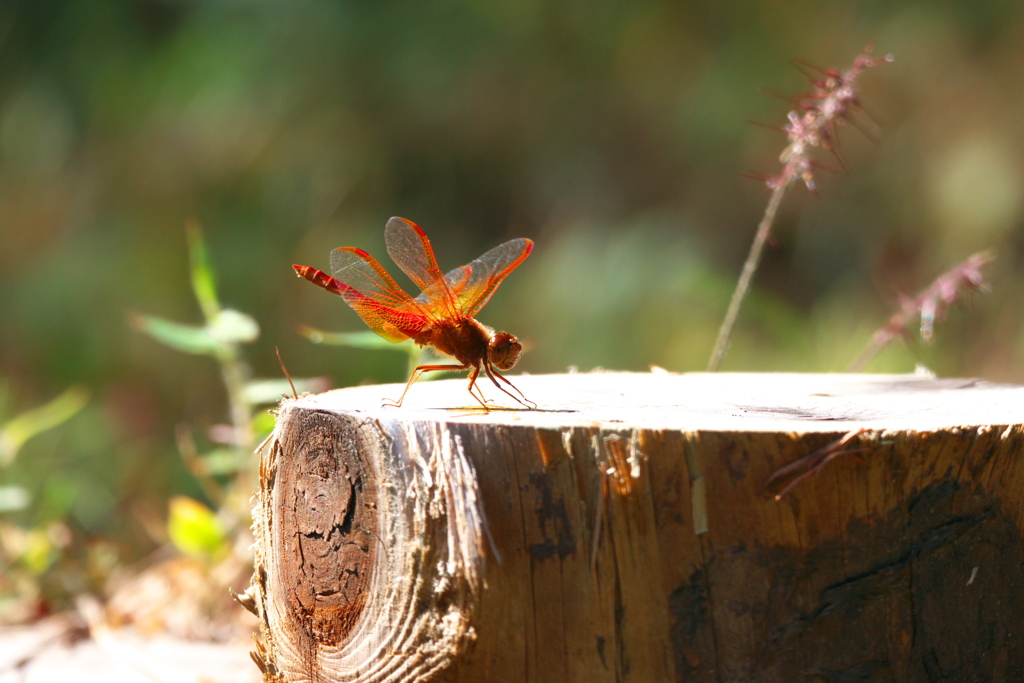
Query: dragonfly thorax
x,y
464,339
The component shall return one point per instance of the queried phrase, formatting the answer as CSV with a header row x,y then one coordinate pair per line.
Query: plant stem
x,y
749,268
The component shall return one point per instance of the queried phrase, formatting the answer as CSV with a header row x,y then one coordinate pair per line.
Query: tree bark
x,y
623,531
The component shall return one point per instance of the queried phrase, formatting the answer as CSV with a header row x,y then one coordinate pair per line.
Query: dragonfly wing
x,y
409,247
474,283
456,279
375,296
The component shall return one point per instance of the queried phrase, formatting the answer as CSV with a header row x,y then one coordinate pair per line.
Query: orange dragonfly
x,y
442,317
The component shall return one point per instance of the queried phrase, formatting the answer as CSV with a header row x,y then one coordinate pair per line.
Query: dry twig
x,y
811,465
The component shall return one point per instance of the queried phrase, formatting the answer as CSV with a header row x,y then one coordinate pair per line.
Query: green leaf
x,y
13,498
264,391
195,530
234,326
263,423
186,338
356,340
203,283
21,428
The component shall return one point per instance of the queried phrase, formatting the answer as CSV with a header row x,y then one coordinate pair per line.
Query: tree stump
x,y
623,532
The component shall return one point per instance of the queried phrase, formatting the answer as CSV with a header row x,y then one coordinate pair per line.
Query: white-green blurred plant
x,y
227,474
365,340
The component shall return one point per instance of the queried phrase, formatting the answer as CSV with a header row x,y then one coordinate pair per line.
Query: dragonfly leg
x,y
523,401
420,369
479,395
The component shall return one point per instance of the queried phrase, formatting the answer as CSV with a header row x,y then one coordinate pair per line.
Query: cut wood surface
x,y
622,531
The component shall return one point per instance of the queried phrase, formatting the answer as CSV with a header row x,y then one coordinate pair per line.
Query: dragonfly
x,y
443,315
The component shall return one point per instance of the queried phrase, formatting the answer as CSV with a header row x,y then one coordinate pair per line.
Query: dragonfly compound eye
x,y
503,350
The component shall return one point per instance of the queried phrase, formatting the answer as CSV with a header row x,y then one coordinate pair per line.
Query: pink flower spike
x,y
931,305
812,123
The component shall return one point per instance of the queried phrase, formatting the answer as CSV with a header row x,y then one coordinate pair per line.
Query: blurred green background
x,y
613,134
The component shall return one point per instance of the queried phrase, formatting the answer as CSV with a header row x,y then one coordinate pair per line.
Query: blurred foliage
x,y
195,529
367,340
612,134
29,549
228,475
20,428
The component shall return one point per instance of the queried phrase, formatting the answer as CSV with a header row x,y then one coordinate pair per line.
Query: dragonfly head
x,y
503,350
